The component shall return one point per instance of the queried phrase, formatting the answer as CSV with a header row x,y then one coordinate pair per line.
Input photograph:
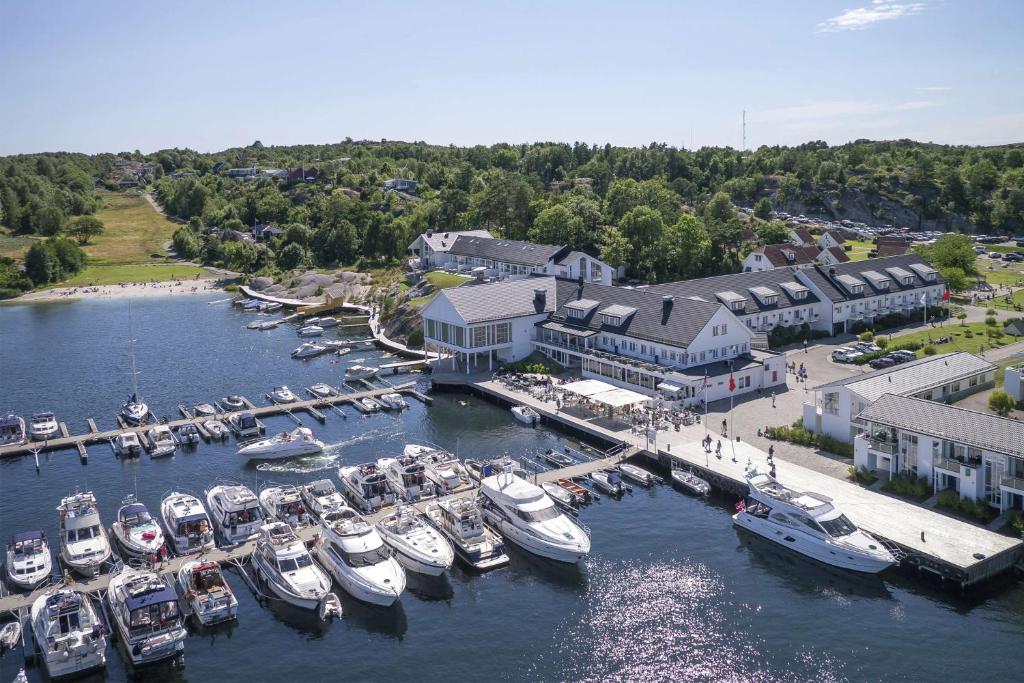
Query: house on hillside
x,y
832,256
891,246
301,174
432,246
247,172
773,256
801,237
400,185
831,238
263,232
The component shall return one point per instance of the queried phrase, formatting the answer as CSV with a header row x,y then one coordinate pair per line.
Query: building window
x,y
830,403
576,313
479,336
460,336
503,333
431,329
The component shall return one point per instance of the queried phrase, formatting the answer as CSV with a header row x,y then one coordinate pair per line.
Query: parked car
x,y
980,250
867,347
902,356
883,362
995,255
841,355
1014,256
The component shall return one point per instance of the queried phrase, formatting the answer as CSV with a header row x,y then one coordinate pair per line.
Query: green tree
x,y
686,247
557,225
334,244
616,249
69,255
643,228
186,244
296,233
720,209
763,209
1001,403
49,220
41,263
951,251
240,256
291,256
772,232
85,228
956,279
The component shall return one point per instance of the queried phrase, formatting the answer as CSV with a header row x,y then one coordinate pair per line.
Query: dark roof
x,y
836,235
508,251
1016,328
778,254
747,235
892,246
573,256
165,594
804,235
676,324
839,253
500,300
819,275
133,509
706,288
980,430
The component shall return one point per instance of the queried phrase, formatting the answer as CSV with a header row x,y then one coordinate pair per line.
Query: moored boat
x,y
460,521
311,331
285,566
163,441
690,482
638,475
308,350
28,560
187,523
68,633
134,411
560,496
136,532
12,430
232,402
187,434
235,512
84,545
526,414
608,481
146,614
418,546
284,504
217,429
282,394
43,426
556,459
204,410
322,390
244,424
321,496
358,372
393,400
355,555
408,477
207,592
127,444
367,486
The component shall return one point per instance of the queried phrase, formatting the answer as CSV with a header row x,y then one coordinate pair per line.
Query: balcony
x,y
1016,483
949,465
886,447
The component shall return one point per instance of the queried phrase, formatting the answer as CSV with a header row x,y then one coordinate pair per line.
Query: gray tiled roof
x,y
442,241
677,324
501,300
507,251
707,287
910,378
819,275
980,430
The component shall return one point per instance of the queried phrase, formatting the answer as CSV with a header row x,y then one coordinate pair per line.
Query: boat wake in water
x,y
329,458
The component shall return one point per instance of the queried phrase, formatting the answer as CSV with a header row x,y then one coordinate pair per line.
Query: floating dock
x,y
933,542
79,441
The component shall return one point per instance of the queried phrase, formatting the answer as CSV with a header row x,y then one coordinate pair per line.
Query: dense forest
x,y
663,212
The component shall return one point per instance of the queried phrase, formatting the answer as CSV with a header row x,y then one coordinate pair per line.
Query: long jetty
x,y
951,549
80,441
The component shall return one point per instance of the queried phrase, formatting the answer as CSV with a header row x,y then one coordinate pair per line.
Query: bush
x,y
977,509
991,321
231,288
536,363
862,475
929,350
994,332
968,334
415,340
1015,520
990,311
796,433
1001,403
866,336
882,342
907,484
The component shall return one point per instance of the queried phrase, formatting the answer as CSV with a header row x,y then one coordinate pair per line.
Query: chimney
x,y
430,232
540,295
579,287
832,271
666,302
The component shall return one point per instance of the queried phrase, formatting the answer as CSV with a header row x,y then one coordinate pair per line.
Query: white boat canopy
x,y
606,394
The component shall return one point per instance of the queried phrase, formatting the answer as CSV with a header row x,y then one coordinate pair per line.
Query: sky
x,y
104,76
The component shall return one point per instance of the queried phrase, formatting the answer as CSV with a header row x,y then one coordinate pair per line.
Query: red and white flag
x,y
945,295
741,506
732,383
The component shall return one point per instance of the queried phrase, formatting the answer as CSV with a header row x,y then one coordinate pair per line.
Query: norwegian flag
x,y
741,506
732,383
945,295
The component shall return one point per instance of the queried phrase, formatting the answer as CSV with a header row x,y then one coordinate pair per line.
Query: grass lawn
x,y
960,341
13,246
111,275
440,280
999,272
132,231
859,249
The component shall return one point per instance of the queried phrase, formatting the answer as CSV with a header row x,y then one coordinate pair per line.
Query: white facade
x,y
827,241
756,262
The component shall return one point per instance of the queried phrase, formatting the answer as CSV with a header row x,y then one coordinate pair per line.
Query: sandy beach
x,y
148,289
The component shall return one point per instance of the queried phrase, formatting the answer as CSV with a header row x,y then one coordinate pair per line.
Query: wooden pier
x,y
949,548
79,441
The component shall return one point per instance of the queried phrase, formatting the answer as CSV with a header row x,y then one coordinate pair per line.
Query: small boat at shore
x,y
322,390
162,440
608,481
216,429
526,415
311,331
233,402
207,592
309,350
282,394
556,459
12,430
127,444
394,401
638,475
204,410
43,426
358,372
690,482
187,434
561,496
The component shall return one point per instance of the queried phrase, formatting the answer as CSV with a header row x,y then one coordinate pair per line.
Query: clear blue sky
x,y
102,76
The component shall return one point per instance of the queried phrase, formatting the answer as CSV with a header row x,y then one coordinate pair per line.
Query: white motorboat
x,y
269,324
187,434
337,346
308,350
300,441
84,546
560,495
207,592
369,405
418,546
638,475
357,372
254,325
187,523
217,429
311,331
134,411
690,482
10,636
354,553
477,470
235,511
525,515
127,444
526,415
394,401
367,486
12,430
232,402
282,394
283,563
272,306
244,424
136,532
556,459
28,560
408,477
474,543
204,410
321,497
252,305
312,320
322,390
328,322
808,523
162,440
146,614
442,468
284,504
608,481
68,633
43,426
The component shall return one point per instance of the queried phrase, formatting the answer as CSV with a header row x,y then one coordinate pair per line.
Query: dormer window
x,y
577,313
612,320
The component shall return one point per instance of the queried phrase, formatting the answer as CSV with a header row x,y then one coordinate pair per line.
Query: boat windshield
x,y
292,564
840,526
137,518
83,534
246,516
364,559
153,617
542,515
68,622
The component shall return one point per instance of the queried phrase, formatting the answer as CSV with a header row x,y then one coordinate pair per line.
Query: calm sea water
x,y
670,592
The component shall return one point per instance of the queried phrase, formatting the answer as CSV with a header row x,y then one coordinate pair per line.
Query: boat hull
x,y
841,558
357,586
286,595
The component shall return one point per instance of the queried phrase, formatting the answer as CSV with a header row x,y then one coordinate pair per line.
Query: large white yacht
x,y
84,546
321,496
28,560
527,516
43,426
283,563
461,522
356,556
68,633
163,441
297,442
809,524
408,477
187,523
146,615
235,511
136,532
418,546
207,592
367,486
284,504
442,468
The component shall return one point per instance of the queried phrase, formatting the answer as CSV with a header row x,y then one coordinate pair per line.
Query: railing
x,y
1012,482
949,465
883,446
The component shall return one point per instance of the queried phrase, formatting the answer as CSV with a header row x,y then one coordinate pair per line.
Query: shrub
x,y
866,336
415,340
990,311
991,321
951,500
862,475
231,288
796,433
929,350
994,332
1001,403
1015,520
882,342
968,334
907,484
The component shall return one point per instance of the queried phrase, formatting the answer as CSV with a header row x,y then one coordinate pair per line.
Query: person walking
x,y
805,346
718,450
773,399
771,451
